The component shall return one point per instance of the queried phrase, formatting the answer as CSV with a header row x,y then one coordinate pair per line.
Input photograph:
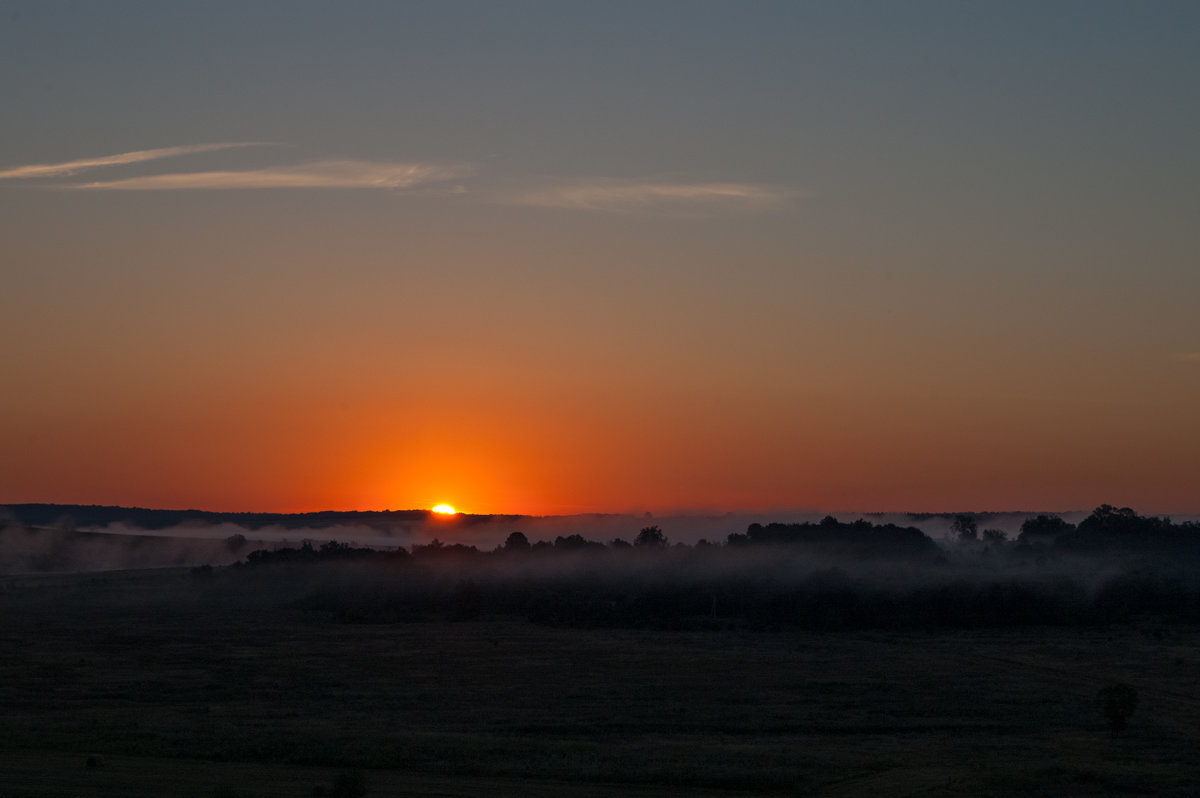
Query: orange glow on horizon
x,y
544,449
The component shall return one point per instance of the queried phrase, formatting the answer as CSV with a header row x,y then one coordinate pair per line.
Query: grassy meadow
x,y
165,682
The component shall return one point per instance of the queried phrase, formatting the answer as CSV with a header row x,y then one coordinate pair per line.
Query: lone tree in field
x,y
651,537
1116,703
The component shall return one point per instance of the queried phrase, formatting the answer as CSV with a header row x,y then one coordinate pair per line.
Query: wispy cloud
x,y
627,196
1187,357
137,156
597,194
318,174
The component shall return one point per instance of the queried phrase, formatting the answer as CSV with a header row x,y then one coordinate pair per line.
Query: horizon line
x,y
645,514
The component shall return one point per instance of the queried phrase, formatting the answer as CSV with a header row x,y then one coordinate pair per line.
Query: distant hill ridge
x,y
89,515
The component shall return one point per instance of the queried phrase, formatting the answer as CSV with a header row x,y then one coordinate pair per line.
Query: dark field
x,y
163,683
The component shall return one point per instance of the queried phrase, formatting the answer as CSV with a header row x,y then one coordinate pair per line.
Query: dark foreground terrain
x,y
225,684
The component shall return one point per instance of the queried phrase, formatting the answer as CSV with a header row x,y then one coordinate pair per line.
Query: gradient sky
x,y
572,257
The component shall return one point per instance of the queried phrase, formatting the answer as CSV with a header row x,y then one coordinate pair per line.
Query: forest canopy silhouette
x,y
1113,566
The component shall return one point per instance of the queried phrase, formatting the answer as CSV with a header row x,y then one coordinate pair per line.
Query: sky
x,y
570,257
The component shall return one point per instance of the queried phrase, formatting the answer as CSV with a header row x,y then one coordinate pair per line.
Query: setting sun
x,y
444,509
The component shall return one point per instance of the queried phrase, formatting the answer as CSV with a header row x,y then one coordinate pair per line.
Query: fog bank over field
x,y
403,528
42,549
62,538
487,532
1112,565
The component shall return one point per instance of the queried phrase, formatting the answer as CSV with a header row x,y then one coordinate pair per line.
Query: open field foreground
x,y
118,684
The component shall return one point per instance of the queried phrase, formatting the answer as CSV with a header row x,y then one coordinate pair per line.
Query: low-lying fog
x,y
64,547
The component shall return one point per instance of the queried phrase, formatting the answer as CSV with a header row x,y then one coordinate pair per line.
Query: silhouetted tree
x,y
1043,528
1117,702
618,543
858,539
1118,528
575,542
651,537
516,542
1108,517
994,536
432,547
965,527
1110,521
436,548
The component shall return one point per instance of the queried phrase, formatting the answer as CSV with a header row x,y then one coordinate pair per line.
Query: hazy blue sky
x,y
552,257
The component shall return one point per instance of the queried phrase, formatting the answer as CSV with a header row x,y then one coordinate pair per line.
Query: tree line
x,y
826,575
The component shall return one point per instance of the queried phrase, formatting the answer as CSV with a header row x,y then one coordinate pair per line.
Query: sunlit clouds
x,y
120,159
600,257
617,196
629,196
583,194
318,174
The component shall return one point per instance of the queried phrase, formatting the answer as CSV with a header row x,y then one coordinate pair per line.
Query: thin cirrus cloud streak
x,y
120,159
318,174
597,194
630,196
